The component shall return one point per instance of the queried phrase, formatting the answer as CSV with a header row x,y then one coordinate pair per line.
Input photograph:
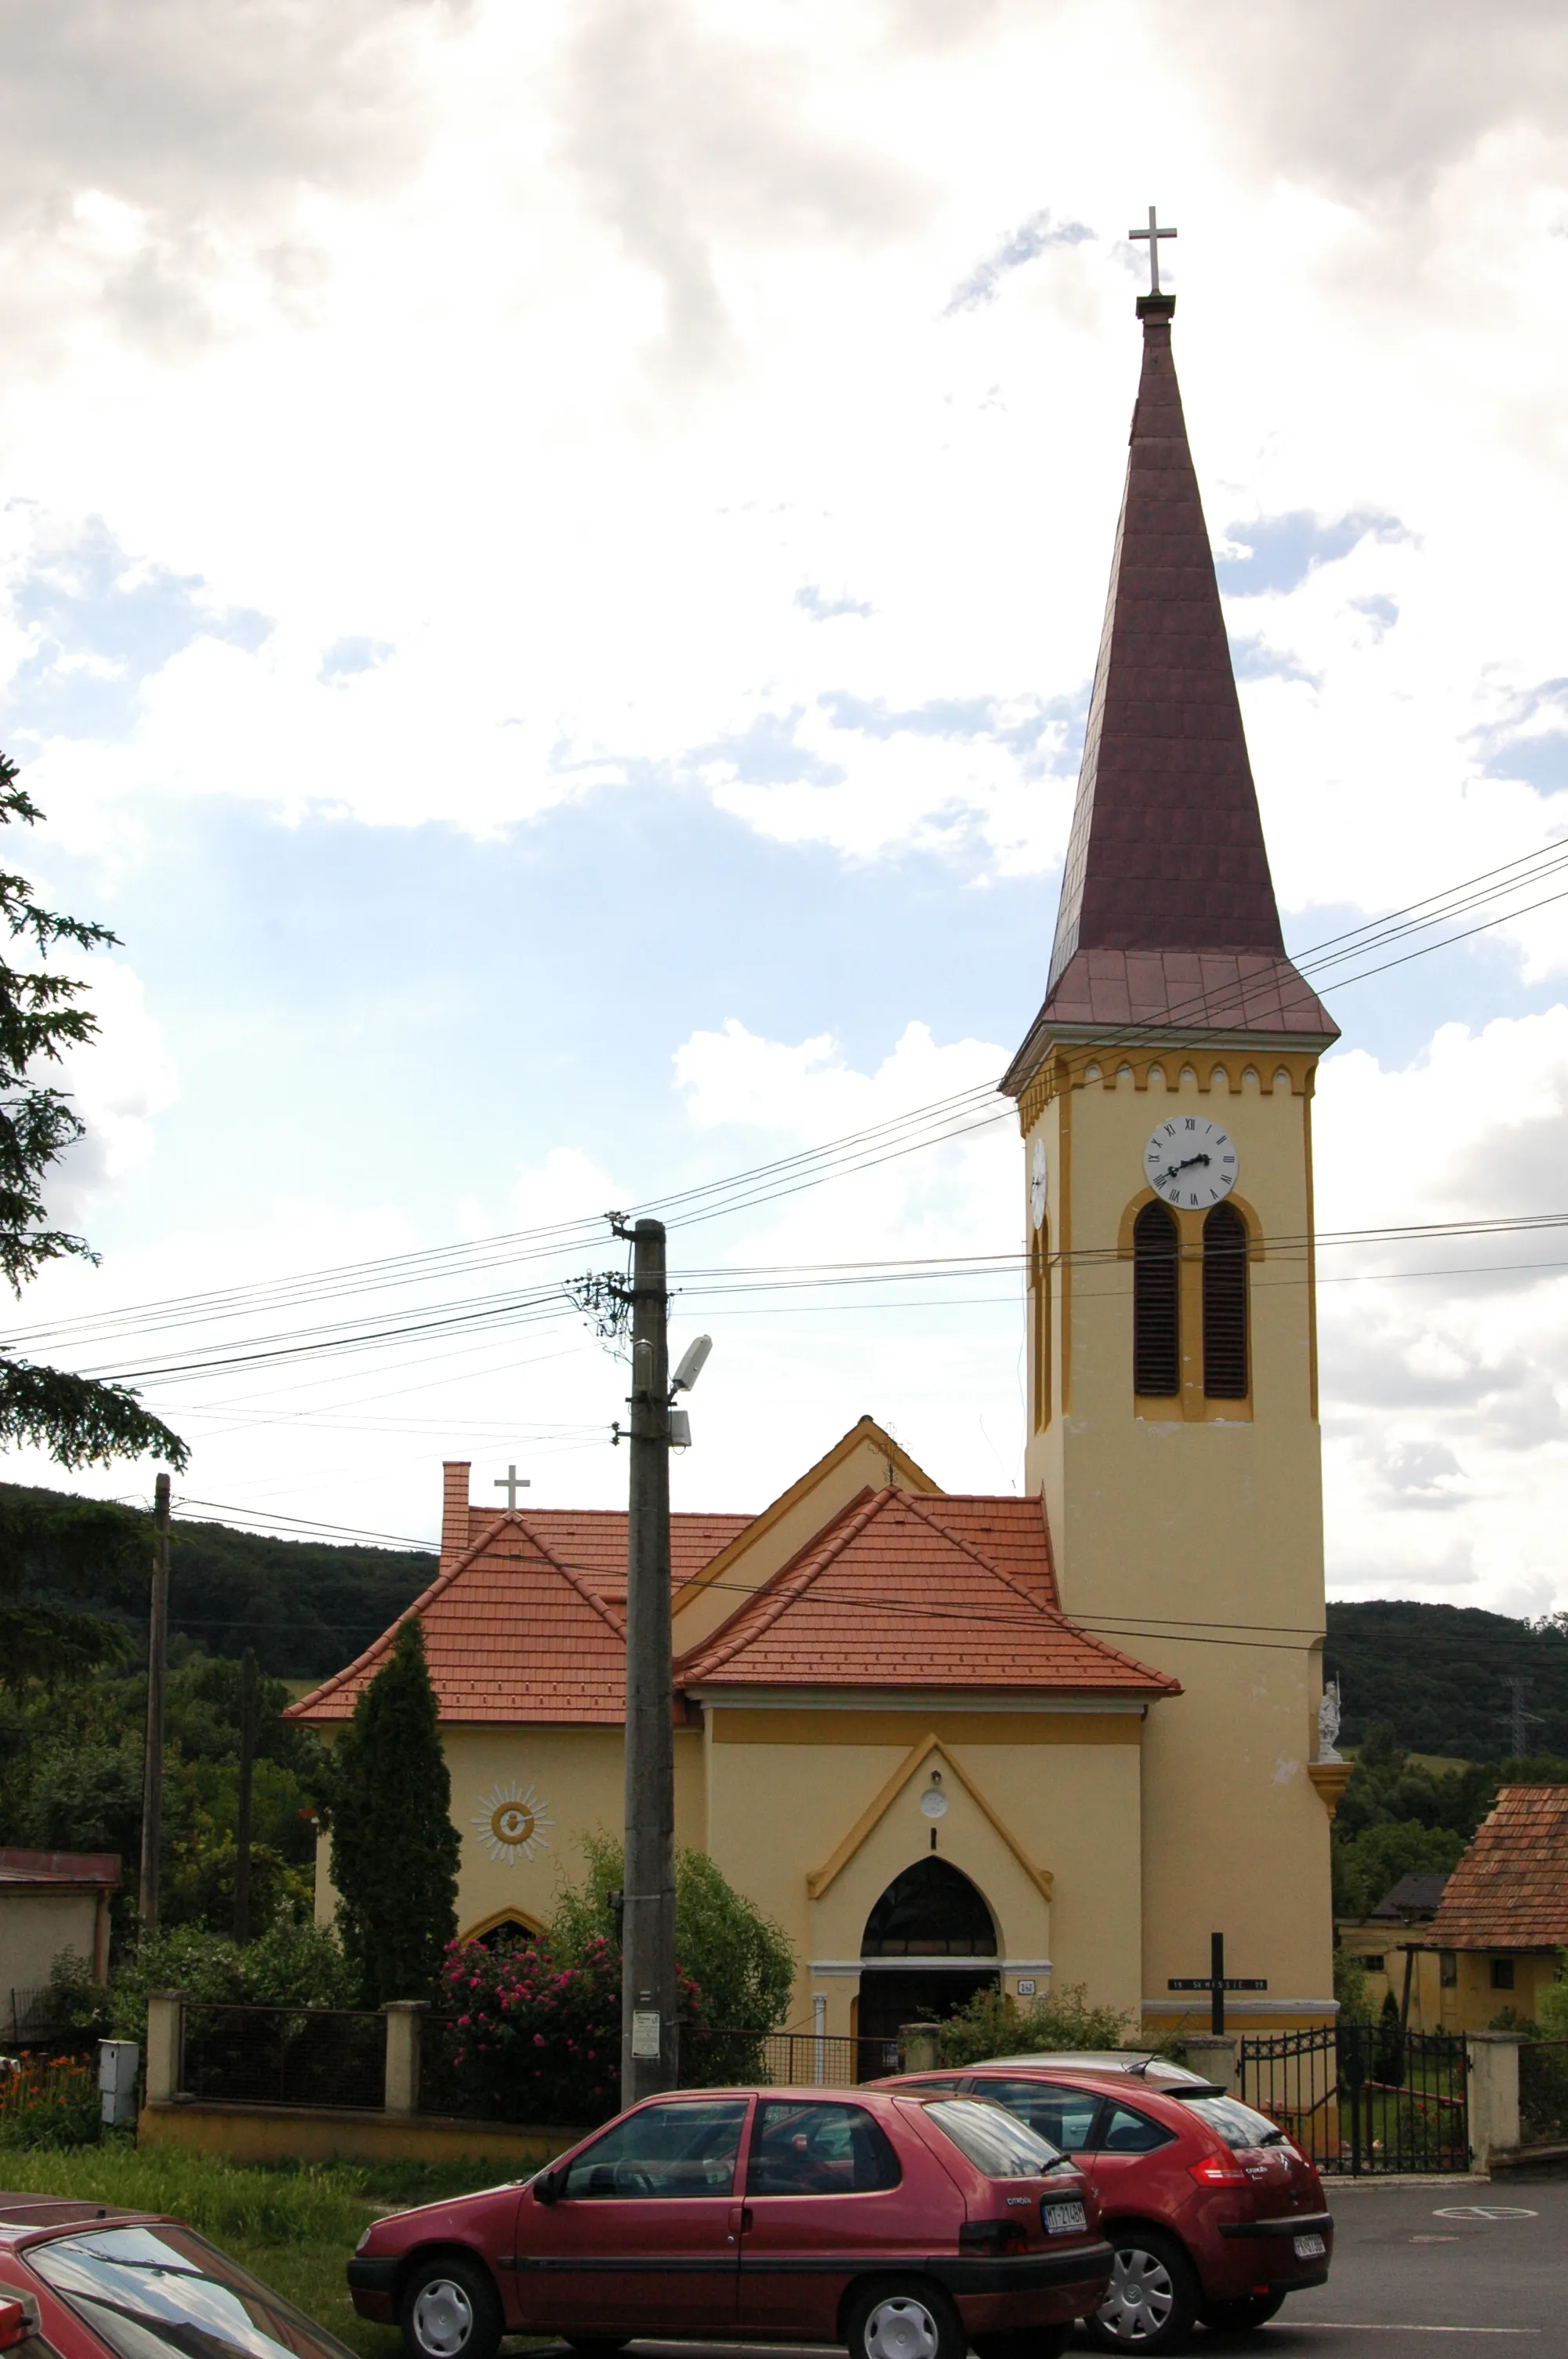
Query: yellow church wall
x,y
1199,1517
1027,1808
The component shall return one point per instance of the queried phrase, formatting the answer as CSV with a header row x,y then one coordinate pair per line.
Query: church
x,y
1062,1738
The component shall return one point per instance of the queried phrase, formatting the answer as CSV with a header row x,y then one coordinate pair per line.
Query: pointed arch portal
x,y
933,1915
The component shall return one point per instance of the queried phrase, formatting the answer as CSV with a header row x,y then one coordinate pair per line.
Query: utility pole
x,y
648,2030
1517,1720
247,1774
157,1662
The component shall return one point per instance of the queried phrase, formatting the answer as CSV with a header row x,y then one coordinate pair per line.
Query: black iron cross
x,y
1153,233
1216,1982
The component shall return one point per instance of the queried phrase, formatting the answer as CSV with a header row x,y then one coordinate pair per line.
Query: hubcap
x,y
1141,2297
901,2328
443,2318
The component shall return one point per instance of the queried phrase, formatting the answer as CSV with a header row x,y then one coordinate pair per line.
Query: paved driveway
x,y
1463,2271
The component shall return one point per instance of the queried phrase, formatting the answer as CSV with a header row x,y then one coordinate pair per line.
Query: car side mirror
x,y
547,2188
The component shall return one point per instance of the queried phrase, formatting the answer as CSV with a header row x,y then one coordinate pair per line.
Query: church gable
x,y
914,1593
511,1634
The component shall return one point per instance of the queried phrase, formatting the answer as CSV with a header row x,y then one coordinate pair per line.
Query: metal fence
x,y
32,2015
1362,2098
284,2056
1543,2091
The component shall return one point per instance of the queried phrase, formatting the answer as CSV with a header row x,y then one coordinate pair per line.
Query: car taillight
x,y
16,2325
1217,2170
993,2236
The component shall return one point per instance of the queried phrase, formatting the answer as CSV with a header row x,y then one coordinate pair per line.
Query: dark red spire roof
x,y
1168,913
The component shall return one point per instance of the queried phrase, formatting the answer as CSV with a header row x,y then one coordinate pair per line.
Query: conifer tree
x,y
394,1848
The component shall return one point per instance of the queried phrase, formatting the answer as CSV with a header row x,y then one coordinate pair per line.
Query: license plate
x,y
1310,2248
1068,2218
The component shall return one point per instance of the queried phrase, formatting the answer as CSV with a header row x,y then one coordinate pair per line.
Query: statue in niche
x,y
1328,1723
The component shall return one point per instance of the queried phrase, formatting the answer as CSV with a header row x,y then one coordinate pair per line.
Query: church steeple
x,y
1168,915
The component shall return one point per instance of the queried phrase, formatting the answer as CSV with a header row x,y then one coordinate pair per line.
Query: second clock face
x,y
1190,1161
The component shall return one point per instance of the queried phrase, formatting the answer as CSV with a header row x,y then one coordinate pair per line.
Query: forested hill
x,y
1440,1676
306,1606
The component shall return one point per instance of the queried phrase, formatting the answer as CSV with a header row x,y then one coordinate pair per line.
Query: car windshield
x,y
1237,2123
152,2291
996,2142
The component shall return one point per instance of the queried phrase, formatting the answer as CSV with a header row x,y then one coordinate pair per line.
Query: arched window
x,y
931,1910
1225,1304
1156,1320
1040,1328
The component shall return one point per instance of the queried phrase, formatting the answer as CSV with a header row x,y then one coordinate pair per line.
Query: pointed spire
x,y
1168,913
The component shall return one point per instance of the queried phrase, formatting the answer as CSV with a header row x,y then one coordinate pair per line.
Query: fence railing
x,y
1361,2099
283,2056
31,2015
1543,2091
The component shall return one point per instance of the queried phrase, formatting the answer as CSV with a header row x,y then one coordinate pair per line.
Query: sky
x,y
550,565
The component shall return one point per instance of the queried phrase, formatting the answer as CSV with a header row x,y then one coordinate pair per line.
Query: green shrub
x,y
1350,1987
291,1965
739,1960
994,2024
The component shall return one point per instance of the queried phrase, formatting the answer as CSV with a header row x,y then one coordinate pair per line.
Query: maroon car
x,y
1213,2213
902,2228
85,2282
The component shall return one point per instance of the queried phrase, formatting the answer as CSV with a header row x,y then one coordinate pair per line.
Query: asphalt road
x,y
1462,2271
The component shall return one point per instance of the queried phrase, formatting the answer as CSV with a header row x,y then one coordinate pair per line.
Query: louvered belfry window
x,y
1156,1321
1225,1304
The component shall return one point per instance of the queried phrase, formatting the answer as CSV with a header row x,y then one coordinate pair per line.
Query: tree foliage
x,y
1439,1675
394,1848
995,2024
739,1959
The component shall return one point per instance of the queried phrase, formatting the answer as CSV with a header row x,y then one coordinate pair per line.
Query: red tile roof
x,y
1511,1889
901,1591
54,1868
511,1634
1166,851
592,1540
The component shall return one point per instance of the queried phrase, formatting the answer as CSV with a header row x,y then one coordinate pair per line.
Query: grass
x,y
295,2228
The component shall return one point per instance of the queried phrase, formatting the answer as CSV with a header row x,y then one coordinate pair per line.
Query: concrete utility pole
x,y
157,1662
247,1778
648,2033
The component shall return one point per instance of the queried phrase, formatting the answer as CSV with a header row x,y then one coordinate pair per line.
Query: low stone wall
x,y
289,2134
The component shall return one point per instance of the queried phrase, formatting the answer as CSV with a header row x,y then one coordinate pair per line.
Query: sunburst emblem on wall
x,y
513,1819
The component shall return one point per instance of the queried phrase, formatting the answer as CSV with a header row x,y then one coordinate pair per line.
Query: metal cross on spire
x,y
512,1483
1153,233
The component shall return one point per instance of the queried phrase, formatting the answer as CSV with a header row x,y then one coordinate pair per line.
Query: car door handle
x,y
740,2221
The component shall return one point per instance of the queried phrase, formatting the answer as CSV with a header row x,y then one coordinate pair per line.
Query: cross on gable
x,y
512,1483
1153,233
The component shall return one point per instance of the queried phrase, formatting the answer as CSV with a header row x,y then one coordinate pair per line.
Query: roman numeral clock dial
x,y
1190,1161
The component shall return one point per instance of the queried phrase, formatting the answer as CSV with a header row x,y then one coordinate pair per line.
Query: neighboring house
x,y
1389,1943
1489,1937
49,1901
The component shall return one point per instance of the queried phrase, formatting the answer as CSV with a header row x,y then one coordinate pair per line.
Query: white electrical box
x,y
119,2066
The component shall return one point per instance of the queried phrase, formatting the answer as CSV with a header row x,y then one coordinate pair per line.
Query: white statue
x,y
1328,1723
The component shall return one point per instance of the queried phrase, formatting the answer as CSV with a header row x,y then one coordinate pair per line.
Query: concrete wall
x,y
35,1924
1185,1524
281,2134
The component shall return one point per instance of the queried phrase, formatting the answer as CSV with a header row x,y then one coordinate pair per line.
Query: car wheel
x,y
1153,2297
911,2320
1026,2341
1241,2316
450,2310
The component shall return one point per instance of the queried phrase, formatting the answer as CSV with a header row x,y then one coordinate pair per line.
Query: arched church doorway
x,y
930,1913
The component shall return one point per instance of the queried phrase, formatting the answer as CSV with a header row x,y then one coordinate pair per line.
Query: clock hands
x,y
1177,1169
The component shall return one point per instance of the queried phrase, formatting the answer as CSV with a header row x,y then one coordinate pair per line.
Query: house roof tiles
x,y
1509,1890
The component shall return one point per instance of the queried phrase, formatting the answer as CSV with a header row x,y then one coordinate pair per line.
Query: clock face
x,y
1037,1184
1190,1161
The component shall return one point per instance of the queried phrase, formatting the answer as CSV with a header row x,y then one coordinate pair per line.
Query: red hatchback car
x,y
1213,2213
77,2281
902,2228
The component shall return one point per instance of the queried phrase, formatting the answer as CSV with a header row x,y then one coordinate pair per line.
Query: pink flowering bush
x,y
526,2040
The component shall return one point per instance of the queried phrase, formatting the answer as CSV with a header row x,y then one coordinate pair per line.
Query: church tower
x,y
1164,1092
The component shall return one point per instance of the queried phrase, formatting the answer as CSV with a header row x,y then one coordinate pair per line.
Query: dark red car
x,y
1213,2213
85,2282
902,2228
